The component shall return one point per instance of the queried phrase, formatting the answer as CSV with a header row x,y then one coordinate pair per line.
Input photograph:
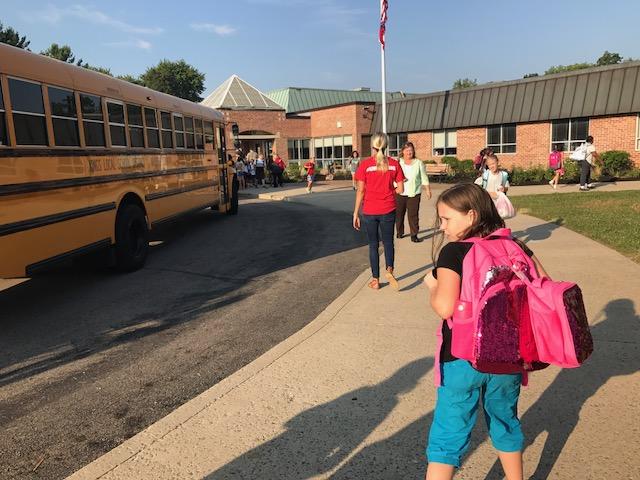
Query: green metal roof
x,y
298,100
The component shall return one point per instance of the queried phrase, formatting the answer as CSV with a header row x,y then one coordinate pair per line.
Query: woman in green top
x,y
416,178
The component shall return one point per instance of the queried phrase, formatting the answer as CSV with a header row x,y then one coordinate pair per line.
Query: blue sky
x,y
333,43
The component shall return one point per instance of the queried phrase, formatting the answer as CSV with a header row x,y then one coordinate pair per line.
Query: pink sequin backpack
x,y
508,319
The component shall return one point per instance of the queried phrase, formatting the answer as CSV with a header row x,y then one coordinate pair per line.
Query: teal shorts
x,y
462,390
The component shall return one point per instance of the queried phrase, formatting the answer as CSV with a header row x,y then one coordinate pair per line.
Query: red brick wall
x,y
615,133
422,141
470,141
353,120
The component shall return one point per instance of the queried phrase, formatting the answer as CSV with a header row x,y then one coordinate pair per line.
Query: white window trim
x,y
109,123
502,144
300,148
551,142
638,132
445,131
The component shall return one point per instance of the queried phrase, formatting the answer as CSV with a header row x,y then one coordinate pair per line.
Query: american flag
x,y
383,20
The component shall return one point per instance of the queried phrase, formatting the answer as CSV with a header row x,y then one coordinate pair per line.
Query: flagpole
x,y
383,14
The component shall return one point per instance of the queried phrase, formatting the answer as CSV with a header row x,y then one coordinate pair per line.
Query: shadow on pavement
x,y
538,232
319,439
204,262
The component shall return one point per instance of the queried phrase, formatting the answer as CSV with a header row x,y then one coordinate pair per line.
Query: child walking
x,y
556,166
466,211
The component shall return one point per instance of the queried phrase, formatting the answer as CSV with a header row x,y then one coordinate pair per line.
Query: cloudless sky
x,y
333,43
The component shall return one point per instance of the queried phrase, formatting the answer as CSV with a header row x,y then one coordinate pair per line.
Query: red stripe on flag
x,y
383,21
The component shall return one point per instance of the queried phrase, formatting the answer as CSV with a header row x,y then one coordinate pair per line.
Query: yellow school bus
x,y
88,161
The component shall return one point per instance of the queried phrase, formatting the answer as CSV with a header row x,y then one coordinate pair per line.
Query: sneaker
x,y
591,185
584,189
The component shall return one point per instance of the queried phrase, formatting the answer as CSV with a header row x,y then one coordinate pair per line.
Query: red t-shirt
x,y
311,168
379,192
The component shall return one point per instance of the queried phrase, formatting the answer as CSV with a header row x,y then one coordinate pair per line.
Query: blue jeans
x,y
463,392
377,226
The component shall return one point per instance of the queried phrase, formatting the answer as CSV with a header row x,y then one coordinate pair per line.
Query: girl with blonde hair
x,y
379,178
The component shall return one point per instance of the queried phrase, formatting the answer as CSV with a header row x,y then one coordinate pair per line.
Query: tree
x,y
567,68
62,53
11,37
106,71
132,79
465,83
609,58
175,78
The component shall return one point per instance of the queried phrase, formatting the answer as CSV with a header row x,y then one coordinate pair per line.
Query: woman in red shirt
x,y
379,178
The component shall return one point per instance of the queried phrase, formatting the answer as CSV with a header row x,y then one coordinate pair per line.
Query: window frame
x,y
139,126
211,136
638,132
45,107
568,141
399,144
298,147
197,121
3,113
147,128
176,131
444,153
124,125
170,130
104,122
76,119
502,144
189,134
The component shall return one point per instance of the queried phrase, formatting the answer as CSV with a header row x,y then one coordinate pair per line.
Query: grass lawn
x,y
611,218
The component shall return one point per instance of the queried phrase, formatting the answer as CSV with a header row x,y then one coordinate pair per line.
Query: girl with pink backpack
x,y
467,212
556,166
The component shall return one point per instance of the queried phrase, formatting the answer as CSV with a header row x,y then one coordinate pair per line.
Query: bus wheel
x,y
132,238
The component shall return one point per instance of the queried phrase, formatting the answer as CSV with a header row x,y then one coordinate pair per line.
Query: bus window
x,y
188,126
64,116
178,123
28,112
167,134
208,132
199,139
3,122
151,121
116,124
136,134
92,120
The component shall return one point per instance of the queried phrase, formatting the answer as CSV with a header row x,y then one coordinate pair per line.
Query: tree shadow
x,y
538,232
319,439
203,262
557,411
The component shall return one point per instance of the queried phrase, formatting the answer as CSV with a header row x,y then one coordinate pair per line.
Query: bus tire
x,y
132,238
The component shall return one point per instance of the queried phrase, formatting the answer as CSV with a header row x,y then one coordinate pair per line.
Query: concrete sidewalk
x,y
351,394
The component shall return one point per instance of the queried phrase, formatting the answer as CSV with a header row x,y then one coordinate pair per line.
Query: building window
x,y
64,117
299,149
568,135
115,112
28,112
188,127
502,138
179,125
396,141
332,150
167,131
92,120
3,121
445,142
208,133
199,139
151,126
136,127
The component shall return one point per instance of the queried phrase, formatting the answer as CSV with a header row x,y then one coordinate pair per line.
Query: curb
x,y
174,420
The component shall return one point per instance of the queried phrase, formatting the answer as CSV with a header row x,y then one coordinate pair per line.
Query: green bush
x,y
453,162
529,176
571,171
430,162
615,163
634,173
293,173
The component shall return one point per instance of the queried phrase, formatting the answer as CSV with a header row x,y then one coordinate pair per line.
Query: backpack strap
x,y
485,179
505,176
